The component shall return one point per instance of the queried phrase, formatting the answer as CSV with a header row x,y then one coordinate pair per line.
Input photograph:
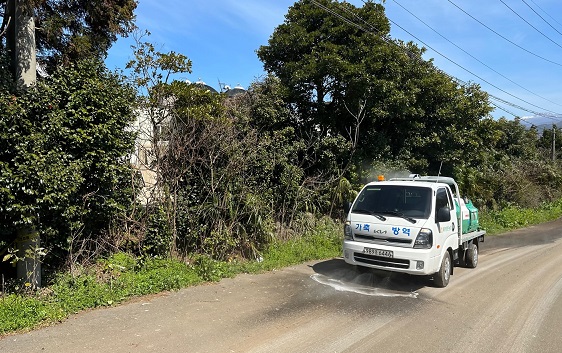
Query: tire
x,y
471,258
462,256
442,277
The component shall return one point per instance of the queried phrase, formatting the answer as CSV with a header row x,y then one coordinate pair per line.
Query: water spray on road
x,y
340,285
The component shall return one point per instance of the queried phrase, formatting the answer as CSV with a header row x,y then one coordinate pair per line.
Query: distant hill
x,y
541,122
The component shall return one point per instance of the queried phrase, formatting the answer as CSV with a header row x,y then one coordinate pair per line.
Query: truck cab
x,y
411,225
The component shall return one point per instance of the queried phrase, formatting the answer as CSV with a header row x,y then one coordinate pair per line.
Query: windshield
x,y
397,200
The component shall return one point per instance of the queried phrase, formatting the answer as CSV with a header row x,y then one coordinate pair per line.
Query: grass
x,y
18,312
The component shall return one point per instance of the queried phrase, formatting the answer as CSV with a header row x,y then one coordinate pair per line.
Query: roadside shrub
x,y
158,236
211,270
323,239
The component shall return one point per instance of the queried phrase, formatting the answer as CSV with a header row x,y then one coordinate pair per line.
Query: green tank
x,y
469,216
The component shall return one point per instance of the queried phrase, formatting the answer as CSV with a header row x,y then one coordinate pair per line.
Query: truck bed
x,y
471,235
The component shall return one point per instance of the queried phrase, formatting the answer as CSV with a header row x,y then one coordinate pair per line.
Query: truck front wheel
x,y
471,257
441,278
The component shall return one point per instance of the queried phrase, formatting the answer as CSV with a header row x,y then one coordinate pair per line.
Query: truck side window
x,y
451,203
441,199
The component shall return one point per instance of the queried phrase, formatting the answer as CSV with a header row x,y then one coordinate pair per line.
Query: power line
x,y
503,37
548,23
550,116
504,109
544,115
343,18
546,13
527,22
467,70
412,55
519,119
472,56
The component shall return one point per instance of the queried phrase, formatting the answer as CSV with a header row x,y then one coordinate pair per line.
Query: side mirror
x,y
346,207
444,214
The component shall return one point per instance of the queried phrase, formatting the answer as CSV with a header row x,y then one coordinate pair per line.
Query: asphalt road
x,y
512,302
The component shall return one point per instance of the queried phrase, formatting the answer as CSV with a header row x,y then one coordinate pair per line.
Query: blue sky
x,y
524,68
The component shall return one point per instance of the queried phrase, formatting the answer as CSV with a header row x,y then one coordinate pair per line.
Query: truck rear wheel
x,y
441,278
471,257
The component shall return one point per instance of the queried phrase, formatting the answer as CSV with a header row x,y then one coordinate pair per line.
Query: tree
x,y
67,30
153,74
550,141
350,79
202,199
321,59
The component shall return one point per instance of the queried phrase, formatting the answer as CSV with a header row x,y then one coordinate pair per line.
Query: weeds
x,y
121,276
514,217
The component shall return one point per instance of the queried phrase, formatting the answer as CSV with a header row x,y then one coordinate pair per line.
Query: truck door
x,y
454,215
443,199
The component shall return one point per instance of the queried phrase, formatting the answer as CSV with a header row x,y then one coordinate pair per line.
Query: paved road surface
x,y
512,302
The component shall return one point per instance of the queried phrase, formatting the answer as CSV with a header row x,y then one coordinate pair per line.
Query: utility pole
x,y
21,42
22,50
553,143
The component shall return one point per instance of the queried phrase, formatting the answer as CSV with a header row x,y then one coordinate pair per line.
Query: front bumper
x,y
405,260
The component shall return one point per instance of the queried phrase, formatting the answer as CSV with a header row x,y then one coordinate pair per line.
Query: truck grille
x,y
381,261
380,240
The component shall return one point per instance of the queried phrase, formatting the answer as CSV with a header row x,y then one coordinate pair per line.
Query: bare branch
x,y
5,26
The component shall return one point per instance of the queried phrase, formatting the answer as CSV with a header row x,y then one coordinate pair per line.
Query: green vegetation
x,y
515,217
71,30
122,276
63,156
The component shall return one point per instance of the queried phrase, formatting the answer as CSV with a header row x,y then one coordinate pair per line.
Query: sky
x,y
511,48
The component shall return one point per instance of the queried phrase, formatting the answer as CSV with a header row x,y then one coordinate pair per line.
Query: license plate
x,y
378,252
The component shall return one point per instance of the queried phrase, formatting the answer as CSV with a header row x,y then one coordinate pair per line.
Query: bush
x,y
63,157
514,217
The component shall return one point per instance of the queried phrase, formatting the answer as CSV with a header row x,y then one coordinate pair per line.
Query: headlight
x,y
347,233
424,240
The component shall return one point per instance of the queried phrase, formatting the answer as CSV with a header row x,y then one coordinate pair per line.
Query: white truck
x,y
415,225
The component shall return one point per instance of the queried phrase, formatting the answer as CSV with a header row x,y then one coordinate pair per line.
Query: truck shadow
x,y
342,276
